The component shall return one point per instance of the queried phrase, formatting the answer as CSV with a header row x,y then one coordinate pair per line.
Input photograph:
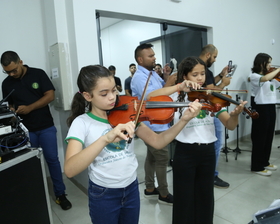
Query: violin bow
x,y
141,103
142,99
216,90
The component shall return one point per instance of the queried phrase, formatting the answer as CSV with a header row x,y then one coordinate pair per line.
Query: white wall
x,y
23,31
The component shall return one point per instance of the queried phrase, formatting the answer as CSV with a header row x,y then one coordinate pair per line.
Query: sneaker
x,y
219,183
271,167
168,200
264,173
64,203
152,194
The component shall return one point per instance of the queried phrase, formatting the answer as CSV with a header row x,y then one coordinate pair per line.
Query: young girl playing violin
x,y
94,144
194,158
263,100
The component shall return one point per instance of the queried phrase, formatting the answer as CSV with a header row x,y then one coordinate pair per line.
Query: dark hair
x,y
86,82
260,63
184,68
8,57
140,48
132,64
158,65
112,68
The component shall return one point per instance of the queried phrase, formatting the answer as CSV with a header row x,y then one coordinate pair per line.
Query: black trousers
x,y
262,134
193,183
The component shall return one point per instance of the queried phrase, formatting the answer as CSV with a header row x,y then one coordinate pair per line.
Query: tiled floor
x,y
248,192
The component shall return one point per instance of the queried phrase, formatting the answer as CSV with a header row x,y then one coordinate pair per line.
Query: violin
x,y
156,110
277,76
214,98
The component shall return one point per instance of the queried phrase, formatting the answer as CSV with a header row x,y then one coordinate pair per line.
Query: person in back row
x,y
127,89
263,100
156,160
118,82
209,54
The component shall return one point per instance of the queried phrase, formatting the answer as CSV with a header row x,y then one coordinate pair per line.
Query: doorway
x,y
119,38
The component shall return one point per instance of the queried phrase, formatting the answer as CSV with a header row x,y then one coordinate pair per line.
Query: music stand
x,y
237,149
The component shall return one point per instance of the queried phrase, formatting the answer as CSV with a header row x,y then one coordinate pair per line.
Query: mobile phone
x,y
232,70
229,66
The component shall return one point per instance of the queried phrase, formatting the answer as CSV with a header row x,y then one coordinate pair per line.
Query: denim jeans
x,y
218,143
46,139
114,205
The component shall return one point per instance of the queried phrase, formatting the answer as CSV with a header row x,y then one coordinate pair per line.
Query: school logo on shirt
x,y
35,85
202,114
271,88
115,146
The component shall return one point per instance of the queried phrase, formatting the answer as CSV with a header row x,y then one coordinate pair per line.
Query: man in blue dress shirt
x,y
156,160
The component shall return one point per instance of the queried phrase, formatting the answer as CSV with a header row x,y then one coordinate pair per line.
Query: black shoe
x,y
168,200
219,183
63,202
152,194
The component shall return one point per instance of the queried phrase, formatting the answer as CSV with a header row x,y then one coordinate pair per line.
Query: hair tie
x,y
79,92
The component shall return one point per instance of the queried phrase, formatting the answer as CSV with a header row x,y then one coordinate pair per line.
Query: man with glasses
x,y
32,91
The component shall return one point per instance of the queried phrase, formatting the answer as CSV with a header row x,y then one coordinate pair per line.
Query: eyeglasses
x,y
12,71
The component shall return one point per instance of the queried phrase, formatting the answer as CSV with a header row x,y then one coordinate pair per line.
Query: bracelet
x,y
221,76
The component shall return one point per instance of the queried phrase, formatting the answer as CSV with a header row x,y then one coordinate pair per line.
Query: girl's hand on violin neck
x,y
237,110
192,111
121,132
187,86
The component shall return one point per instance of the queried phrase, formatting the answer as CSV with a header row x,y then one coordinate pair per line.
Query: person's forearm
x,y
232,122
164,138
163,91
221,86
217,79
270,75
75,164
42,102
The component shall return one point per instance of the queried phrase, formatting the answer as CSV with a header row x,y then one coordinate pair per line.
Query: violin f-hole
x,y
132,116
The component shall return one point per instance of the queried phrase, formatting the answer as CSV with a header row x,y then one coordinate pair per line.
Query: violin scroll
x,y
277,76
214,98
251,113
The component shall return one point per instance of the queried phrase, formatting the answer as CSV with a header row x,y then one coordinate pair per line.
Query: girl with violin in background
x,y
194,158
92,143
263,100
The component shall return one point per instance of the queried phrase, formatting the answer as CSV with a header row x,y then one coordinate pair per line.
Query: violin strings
x,y
215,90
